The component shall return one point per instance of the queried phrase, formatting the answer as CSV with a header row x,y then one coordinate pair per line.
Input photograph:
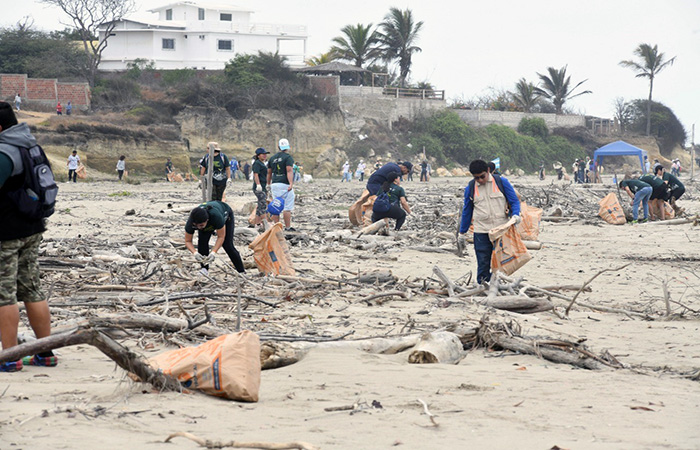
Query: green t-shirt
x,y
279,164
651,180
220,164
634,185
673,182
219,213
395,193
260,168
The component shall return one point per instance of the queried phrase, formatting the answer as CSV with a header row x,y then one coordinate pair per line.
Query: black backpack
x,y
36,198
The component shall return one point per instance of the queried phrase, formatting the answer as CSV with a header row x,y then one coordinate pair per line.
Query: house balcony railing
x,y
423,94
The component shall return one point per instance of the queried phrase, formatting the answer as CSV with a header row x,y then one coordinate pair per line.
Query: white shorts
x,y
279,190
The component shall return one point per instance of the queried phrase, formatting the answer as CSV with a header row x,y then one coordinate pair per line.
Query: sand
x,y
488,400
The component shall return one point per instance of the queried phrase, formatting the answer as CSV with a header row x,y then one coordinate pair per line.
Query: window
x,y
168,44
224,17
168,14
225,46
201,13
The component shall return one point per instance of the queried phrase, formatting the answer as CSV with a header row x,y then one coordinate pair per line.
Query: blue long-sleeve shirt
x,y
468,211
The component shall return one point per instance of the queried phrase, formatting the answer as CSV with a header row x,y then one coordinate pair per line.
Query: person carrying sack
x,y
488,201
389,202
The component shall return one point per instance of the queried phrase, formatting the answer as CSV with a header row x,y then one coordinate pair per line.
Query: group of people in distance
x,y
586,171
654,188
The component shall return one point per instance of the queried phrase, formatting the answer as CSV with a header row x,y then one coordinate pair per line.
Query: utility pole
x,y
207,182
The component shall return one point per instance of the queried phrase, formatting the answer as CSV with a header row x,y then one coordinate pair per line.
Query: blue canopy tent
x,y
620,148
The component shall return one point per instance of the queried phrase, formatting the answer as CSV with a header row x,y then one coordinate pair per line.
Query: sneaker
x,y
644,220
634,222
36,360
12,366
290,230
204,271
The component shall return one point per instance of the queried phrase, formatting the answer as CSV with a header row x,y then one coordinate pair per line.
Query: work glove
x,y
228,182
268,190
462,241
258,188
210,258
200,258
517,218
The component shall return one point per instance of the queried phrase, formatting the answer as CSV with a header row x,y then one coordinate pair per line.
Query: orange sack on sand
x,y
228,366
509,251
366,211
272,253
529,226
355,211
81,171
611,211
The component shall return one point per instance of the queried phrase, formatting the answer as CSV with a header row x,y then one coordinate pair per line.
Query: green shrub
x,y
178,76
533,126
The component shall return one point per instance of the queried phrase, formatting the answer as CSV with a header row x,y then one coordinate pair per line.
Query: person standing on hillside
x,y
424,171
487,201
384,173
361,167
69,108
209,218
346,172
73,163
18,102
246,171
260,184
59,109
280,177
221,175
20,237
121,167
234,169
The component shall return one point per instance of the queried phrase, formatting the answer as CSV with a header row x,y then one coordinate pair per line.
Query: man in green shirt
x,y
659,194
221,175
639,191
208,218
260,183
280,176
677,189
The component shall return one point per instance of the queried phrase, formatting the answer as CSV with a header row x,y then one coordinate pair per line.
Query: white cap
x,y
283,144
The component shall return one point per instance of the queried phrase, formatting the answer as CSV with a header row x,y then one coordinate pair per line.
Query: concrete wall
x,y
482,118
48,91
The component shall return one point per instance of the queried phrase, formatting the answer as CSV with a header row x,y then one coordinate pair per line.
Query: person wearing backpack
x,y
26,181
391,203
488,201
381,175
209,218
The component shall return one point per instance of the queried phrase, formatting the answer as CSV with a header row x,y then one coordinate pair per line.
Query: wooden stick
x,y
384,294
445,279
233,444
373,228
427,412
680,221
573,300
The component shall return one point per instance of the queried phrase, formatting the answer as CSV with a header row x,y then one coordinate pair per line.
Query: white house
x,y
192,34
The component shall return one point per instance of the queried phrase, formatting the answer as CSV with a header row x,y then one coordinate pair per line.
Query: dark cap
x,y
407,165
261,151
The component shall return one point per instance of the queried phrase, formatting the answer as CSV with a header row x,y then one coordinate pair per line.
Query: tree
x,y
88,16
555,87
623,113
652,62
323,58
398,38
359,44
525,96
665,126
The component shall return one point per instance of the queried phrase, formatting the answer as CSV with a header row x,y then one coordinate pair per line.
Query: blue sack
x,y
276,206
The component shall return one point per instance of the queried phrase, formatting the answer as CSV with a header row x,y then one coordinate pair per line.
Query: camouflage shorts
x,y
261,207
19,270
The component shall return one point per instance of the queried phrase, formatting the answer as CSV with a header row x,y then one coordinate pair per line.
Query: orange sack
x,y
366,211
509,251
611,211
355,211
529,226
228,366
272,253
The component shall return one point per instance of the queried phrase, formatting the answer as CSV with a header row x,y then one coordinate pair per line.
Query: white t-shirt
x,y
73,162
121,164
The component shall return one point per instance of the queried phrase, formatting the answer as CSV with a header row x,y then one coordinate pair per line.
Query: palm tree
x,y
398,38
323,58
525,96
556,87
652,62
359,44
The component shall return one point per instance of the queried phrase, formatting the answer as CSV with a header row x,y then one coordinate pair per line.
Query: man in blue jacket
x,y
489,200
384,173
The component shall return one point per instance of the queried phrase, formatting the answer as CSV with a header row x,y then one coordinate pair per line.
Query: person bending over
x,y
397,198
208,218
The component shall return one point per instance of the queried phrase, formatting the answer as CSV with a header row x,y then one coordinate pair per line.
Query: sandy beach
x,y
490,399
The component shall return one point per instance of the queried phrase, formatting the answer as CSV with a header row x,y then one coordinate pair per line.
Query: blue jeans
x,y
373,188
483,247
643,196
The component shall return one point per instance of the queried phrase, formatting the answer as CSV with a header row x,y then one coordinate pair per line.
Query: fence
x,y
482,118
48,91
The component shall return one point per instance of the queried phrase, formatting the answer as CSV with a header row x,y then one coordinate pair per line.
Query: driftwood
x,y
206,443
680,221
374,228
518,304
445,279
140,321
124,358
438,347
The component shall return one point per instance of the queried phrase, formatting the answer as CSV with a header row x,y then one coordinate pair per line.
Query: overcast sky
x,y
470,46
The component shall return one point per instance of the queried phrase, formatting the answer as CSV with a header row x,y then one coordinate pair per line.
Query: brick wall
x,y
46,91
41,89
77,93
326,86
11,84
